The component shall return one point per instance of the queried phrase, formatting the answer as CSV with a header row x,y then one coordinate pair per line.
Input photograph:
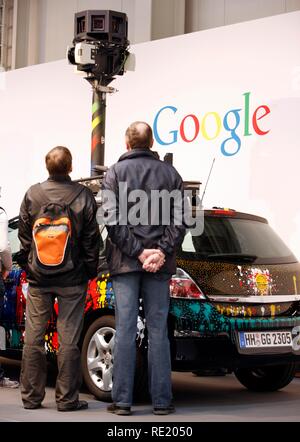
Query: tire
x,y
97,360
265,379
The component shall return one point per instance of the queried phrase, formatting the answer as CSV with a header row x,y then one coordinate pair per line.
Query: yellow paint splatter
x,y
273,310
295,284
102,290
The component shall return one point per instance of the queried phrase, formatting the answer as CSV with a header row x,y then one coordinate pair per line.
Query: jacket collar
x,y
136,153
60,178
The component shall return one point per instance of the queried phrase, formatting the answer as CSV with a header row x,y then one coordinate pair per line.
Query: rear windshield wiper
x,y
236,257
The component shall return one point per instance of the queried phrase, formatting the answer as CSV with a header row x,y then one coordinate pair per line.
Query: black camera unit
x,y
100,44
107,26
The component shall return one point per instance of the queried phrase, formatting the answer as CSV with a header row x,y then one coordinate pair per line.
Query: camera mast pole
x,y
98,123
98,128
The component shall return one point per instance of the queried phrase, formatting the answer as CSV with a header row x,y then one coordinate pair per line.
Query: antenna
x,y
212,166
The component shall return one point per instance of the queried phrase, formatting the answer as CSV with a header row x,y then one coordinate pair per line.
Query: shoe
x,y
79,405
164,411
7,383
121,411
33,407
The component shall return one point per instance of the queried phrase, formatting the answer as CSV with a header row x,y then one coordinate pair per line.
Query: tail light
x,y
184,287
220,211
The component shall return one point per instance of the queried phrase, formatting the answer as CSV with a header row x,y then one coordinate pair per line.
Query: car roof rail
x,y
93,183
192,185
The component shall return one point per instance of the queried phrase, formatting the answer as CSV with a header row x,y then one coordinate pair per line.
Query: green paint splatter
x,y
195,308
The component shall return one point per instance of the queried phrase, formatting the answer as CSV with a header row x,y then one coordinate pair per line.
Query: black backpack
x,y
54,248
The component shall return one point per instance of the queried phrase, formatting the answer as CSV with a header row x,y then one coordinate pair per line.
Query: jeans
x,y
154,289
39,305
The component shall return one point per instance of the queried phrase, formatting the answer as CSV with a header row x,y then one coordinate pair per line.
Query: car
x,y
234,308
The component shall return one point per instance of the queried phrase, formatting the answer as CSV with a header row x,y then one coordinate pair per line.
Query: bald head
x,y
139,135
59,161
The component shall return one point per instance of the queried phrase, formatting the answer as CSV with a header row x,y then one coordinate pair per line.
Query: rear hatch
x,y
242,266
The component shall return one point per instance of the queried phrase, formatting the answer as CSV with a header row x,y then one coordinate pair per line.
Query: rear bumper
x,y
221,352
204,338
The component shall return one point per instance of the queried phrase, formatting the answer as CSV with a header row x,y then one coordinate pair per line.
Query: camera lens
x,y
98,23
81,25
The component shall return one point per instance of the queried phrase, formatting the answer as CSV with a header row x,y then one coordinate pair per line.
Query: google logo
x,y
210,126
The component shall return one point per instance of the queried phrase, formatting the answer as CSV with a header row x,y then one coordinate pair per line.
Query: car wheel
x,y
97,357
266,378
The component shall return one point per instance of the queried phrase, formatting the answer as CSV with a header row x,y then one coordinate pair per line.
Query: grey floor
x,y
197,399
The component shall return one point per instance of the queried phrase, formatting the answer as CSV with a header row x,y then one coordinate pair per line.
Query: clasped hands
x,y
152,260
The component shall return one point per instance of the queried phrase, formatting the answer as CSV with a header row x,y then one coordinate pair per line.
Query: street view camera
x,y
100,46
100,50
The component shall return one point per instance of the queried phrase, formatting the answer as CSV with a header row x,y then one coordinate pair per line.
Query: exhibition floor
x,y
205,399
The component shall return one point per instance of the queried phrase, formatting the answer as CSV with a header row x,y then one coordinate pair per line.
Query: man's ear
x,y
128,147
151,144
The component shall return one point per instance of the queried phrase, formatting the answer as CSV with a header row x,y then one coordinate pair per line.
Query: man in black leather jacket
x,y
68,287
141,259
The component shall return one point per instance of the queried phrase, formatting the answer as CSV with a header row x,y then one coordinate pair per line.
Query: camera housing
x,y
100,25
100,44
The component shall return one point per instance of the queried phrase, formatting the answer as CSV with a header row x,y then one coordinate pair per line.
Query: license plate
x,y
265,339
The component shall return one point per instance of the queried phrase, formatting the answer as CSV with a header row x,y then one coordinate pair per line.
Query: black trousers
x,y
39,307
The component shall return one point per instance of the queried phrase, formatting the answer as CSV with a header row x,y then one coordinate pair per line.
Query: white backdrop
x,y
201,73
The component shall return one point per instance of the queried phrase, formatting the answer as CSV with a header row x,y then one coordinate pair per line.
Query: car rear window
x,y
224,235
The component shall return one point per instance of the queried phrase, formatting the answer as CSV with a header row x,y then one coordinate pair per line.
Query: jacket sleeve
x,y
25,229
175,232
90,239
121,235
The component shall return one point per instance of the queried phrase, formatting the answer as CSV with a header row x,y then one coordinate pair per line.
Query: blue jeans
x,y
154,289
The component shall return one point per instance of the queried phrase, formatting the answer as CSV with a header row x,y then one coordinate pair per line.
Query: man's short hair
x,y
59,161
139,135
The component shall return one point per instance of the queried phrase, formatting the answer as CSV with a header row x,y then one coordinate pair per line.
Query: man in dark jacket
x,y
69,287
141,259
